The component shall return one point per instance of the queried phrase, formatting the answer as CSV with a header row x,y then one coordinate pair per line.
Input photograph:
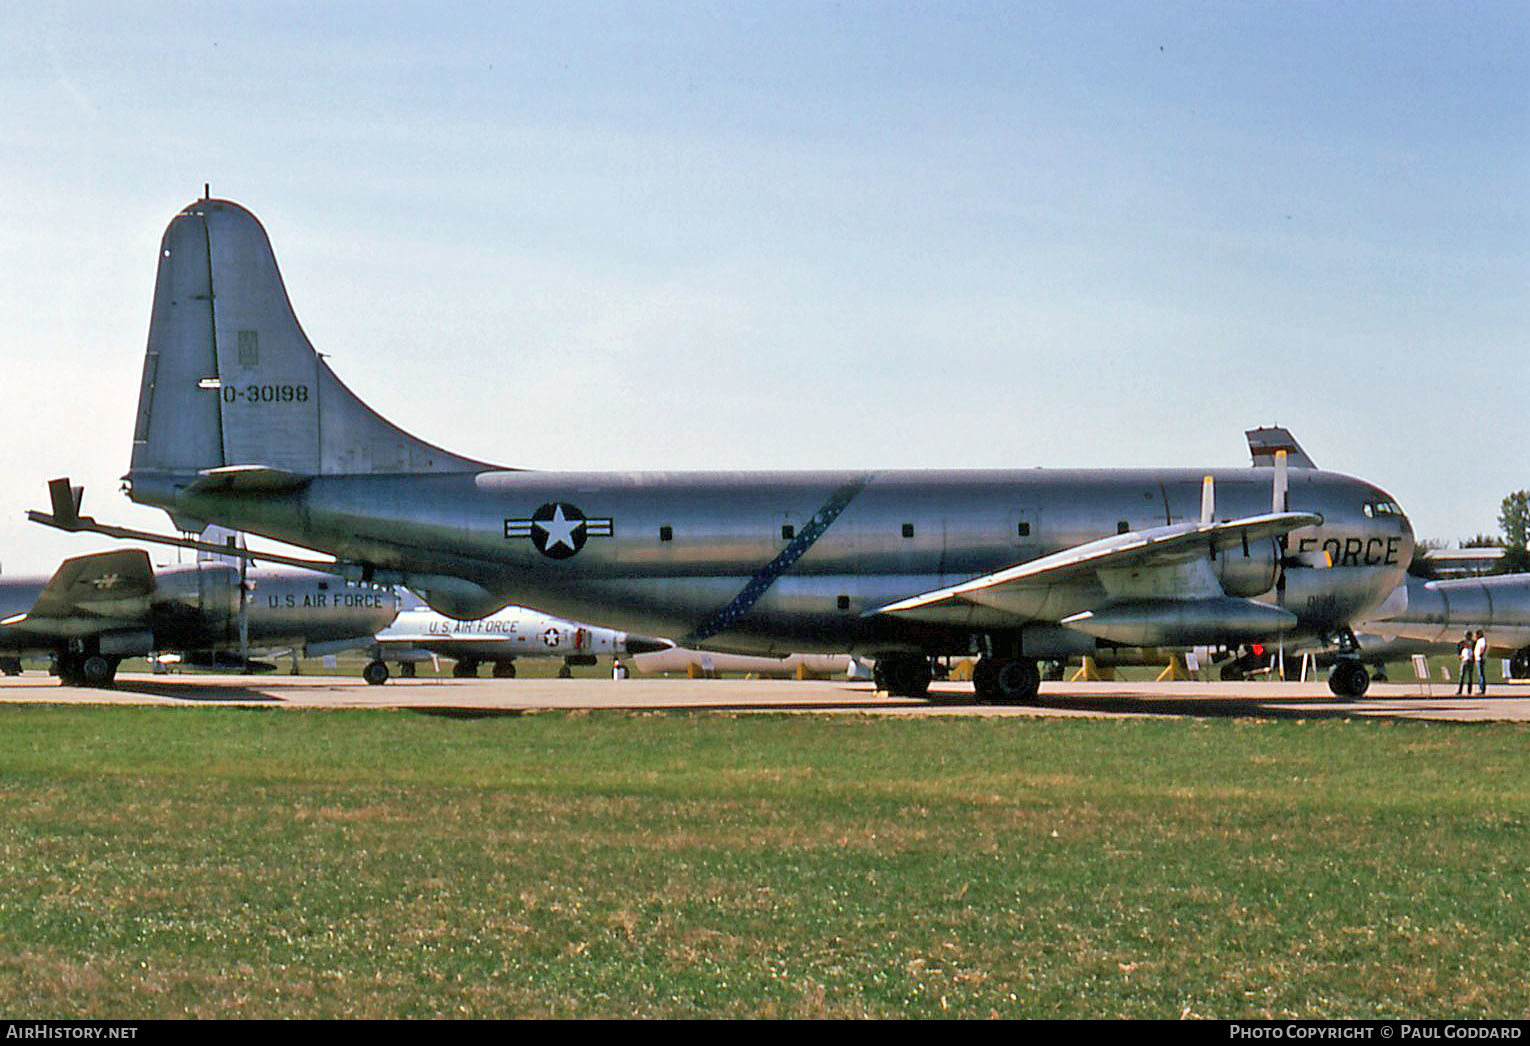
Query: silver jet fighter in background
x,y
515,632
98,609
240,422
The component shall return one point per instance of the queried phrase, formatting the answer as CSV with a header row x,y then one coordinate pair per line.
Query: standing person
x,y
1479,655
1466,652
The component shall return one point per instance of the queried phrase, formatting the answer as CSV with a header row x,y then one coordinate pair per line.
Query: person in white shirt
x,y
1479,655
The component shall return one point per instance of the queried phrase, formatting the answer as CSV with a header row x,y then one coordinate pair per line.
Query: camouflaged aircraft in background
x,y
98,609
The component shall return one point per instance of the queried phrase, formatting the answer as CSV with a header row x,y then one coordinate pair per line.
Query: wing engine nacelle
x,y
1248,570
206,592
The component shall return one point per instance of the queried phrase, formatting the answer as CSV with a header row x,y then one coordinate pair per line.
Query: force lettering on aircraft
x,y
558,529
326,600
1355,552
265,394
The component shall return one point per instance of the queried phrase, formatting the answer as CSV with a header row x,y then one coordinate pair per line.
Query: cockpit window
x,y
1382,507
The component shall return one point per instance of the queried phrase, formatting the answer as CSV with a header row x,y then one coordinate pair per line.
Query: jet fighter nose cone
x,y
646,644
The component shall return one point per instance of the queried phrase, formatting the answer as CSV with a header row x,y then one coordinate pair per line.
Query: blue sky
x,y
800,235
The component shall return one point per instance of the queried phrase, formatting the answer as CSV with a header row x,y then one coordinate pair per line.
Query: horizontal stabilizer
x,y
74,522
247,479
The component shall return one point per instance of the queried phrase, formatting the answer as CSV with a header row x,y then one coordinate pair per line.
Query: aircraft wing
x,y
1159,562
87,590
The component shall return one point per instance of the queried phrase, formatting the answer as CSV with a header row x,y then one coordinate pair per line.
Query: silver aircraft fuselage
x,y
1439,612
242,423
728,560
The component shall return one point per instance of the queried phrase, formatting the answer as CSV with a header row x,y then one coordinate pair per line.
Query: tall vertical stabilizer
x,y
230,379
178,428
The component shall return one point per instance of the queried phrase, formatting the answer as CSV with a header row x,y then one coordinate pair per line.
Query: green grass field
x,y
219,862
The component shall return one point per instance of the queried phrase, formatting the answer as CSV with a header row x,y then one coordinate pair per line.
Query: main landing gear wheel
x,y
903,675
1006,681
90,670
465,670
504,670
97,670
1349,679
1519,664
376,673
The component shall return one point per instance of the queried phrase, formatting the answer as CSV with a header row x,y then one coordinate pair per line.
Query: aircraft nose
x,y
636,644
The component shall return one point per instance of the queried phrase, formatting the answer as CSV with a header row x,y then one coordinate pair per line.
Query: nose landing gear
x,y
1349,679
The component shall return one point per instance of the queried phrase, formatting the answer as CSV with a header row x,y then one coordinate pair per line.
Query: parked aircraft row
x,y
241,423
213,614
99,609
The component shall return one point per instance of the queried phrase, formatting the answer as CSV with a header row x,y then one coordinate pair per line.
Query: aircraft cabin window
x,y
1122,527
788,532
1023,530
844,602
666,533
908,530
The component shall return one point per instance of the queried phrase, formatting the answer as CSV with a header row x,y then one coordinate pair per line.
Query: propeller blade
x,y
244,613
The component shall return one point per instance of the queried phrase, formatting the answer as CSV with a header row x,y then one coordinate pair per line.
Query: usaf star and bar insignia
x,y
558,529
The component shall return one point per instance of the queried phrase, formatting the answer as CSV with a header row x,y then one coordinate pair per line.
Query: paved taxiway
x,y
509,696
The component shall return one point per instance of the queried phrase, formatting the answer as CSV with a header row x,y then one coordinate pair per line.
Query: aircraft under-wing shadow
x,y
100,608
240,422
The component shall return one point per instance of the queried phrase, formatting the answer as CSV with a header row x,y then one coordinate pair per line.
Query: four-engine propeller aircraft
x,y
240,422
98,609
